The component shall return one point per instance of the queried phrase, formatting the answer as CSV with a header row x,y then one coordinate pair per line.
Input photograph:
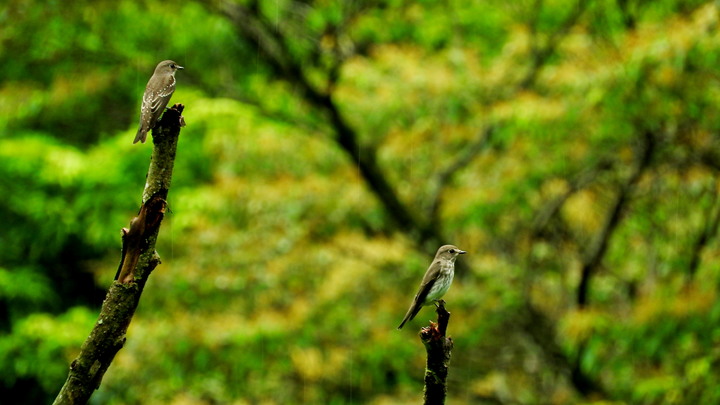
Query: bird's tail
x,y
412,311
141,135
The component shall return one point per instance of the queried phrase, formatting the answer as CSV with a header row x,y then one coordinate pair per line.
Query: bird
x,y
436,282
158,91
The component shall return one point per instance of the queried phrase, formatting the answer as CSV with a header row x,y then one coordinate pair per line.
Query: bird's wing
x,y
157,100
431,275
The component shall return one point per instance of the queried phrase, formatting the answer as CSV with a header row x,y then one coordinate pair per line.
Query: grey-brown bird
x,y
158,91
436,282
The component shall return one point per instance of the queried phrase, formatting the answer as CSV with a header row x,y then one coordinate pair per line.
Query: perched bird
x,y
158,91
436,282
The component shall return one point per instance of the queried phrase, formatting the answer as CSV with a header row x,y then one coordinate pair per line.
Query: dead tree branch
x,y
139,259
438,348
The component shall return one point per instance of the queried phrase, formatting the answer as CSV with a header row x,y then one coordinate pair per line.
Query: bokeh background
x,y
571,147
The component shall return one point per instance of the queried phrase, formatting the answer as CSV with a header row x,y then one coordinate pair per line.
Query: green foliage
x,y
283,274
40,346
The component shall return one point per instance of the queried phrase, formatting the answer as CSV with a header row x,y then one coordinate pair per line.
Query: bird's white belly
x,y
442,284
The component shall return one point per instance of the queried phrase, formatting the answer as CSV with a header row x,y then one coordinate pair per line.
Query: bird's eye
x,y
452,250
172,65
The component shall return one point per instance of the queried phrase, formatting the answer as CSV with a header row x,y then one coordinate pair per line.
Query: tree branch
x,y
594,255
139,259
539,59
464,158
542,331
438,348
629,20
540,54
274,50
709,231
534,322
580,181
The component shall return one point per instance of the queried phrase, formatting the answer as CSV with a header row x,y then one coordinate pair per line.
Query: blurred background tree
x,y
571,147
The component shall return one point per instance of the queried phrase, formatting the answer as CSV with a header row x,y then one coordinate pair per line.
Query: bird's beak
x,y
461,252
180,67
